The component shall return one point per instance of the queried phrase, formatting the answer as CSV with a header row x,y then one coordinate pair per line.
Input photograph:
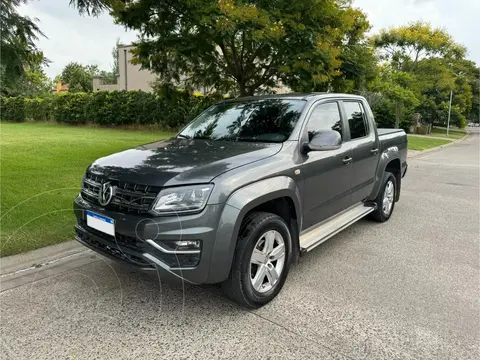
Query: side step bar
x,y
317,234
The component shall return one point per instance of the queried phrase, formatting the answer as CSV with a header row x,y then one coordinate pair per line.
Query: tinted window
x,y
324,117
356,119
267,120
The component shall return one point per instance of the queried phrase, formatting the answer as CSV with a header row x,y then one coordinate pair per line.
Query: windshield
x,y
264,120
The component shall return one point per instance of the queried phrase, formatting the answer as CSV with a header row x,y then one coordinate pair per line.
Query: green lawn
x,y
423,143
41,170
452,134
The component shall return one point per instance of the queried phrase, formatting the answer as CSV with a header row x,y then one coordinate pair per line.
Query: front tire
x,y
386,198
261,261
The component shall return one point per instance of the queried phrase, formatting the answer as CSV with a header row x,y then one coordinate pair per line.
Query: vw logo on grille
x,y
105,194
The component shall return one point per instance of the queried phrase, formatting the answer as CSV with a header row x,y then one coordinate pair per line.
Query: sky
x,y
89,40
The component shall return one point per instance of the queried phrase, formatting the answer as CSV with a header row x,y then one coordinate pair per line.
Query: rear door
x,y
365,149
326,173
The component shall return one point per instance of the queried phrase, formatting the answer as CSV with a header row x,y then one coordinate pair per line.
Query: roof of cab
x,y
296,96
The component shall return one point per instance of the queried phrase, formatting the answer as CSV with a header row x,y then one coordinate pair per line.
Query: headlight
x,y
182,199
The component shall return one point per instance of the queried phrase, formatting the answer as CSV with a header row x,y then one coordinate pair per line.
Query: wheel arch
x,y
394,166
389,161
278,195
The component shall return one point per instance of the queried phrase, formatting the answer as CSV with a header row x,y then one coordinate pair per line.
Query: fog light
x,y
183,244
192,244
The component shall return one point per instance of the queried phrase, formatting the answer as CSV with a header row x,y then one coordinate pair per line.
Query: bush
x,y
72,108
13,109
171,109
39,109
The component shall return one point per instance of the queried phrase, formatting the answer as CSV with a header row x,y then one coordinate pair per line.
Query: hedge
x,y
169,109
12,109
39,109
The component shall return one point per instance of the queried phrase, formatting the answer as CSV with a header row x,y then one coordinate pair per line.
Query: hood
x,y
180,161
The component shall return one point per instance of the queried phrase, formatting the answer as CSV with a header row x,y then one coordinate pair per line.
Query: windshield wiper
x,y
183,136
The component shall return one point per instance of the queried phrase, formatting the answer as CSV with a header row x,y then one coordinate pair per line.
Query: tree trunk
x,y
242,88
397,114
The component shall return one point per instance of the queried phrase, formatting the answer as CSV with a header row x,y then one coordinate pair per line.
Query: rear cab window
x,y
357,119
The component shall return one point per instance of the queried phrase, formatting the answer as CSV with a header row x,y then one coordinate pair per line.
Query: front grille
x,y
112,250
121,240
127,197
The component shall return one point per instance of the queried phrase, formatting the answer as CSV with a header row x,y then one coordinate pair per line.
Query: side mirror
x,y
324,140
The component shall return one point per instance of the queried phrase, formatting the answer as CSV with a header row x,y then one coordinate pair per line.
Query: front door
x,y
326,173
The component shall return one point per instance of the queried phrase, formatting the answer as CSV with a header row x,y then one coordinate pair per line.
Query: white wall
x,y
136,79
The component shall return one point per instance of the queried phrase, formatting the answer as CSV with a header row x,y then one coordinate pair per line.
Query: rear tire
x,y
385,199
261,260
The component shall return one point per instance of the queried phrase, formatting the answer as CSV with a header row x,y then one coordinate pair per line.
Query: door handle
x,y
374,151
347,160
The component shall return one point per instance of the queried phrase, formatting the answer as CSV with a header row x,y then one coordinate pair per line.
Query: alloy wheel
x,y
388,194
267,261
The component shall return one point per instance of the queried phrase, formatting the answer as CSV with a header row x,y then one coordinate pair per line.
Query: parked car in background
x,y
243,190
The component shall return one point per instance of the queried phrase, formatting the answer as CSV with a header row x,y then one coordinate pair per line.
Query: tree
x,y
396,89
92,7
436,79
116,61
418,55
358,61
33,81
405,46
110,77
79,77
475,117
17,44
471,73
249,46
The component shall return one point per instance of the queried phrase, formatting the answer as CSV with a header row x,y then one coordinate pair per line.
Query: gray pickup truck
x,y
243,190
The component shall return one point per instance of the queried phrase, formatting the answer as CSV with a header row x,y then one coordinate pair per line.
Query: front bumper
x,y
137,239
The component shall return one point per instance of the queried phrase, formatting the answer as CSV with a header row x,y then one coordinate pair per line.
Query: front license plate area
x,y
101,223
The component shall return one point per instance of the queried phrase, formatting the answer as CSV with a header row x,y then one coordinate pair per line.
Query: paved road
x,y
406,289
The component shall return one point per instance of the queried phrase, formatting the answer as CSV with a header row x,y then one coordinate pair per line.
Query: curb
x,y
39,257
437,148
